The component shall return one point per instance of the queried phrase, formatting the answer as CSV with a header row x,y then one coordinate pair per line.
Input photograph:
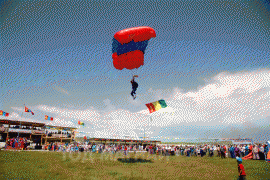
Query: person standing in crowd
x,y
226,151
181,150
261,152
163,150
255,153
250,148
241,170
198,151
218,151
205,150
211,151
242,151
266,149
231,149
125,150
155,149
223,151
94,148
150,149
208,150
246,150
201,151
237,151
192,151
188,151
101,148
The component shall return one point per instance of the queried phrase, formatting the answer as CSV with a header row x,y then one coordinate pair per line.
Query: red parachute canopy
x,y
129,60
136,34
129,46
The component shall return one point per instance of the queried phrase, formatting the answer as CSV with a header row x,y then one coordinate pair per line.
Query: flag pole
x,y
144,133
20,123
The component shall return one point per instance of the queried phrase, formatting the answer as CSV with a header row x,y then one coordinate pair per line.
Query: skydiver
x,y
134,87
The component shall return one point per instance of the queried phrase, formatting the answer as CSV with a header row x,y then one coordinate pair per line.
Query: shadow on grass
x,y
133,160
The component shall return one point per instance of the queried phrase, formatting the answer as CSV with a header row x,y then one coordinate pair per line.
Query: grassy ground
x,y
57,165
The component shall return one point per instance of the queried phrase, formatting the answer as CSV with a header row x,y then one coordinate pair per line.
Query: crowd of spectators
x,y
65,134
259,151
18,143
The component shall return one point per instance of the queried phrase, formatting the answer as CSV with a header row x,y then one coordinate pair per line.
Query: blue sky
x,y
209,61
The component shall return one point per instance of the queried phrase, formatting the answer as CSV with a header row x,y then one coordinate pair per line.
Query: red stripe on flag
x,y
151,107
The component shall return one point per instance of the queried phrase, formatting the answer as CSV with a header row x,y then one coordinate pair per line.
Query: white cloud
x,y
84,115
18,117
227,99
59,89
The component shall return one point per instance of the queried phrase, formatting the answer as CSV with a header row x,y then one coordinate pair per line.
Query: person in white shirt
x,y
242,149
198,151
97,148
163,150
172,150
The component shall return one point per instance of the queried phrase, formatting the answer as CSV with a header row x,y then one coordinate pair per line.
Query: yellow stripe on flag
x,y
157,105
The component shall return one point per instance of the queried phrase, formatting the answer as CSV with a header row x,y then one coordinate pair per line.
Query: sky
x,y
209,62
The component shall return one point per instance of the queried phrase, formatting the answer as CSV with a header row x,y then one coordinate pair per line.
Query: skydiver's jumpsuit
x,y
134,87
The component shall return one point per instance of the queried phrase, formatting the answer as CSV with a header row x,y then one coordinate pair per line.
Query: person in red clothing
x,y
150,149
125,151
250,148
241,170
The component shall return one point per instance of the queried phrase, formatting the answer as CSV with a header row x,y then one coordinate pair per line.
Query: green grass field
x,y
58,165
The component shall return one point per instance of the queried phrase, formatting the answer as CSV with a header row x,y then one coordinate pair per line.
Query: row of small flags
x,y
26,109
2,113
48,118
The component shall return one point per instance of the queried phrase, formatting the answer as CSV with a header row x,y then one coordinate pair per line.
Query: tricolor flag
x,y
28,110
155,106
4,113
80,123
48,118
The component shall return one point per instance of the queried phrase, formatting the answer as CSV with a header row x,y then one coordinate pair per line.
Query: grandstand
x,y
39,133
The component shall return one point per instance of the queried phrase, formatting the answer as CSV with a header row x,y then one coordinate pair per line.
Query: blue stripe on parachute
x,y
131,46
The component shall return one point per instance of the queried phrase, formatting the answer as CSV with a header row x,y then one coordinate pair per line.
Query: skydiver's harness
x,y
134,85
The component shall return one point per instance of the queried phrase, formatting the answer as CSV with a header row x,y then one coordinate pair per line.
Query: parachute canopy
x,y
128,47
